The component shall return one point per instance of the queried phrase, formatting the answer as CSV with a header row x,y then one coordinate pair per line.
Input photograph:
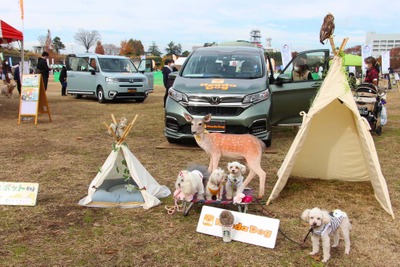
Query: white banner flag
x,y
365,52
286,53
385,62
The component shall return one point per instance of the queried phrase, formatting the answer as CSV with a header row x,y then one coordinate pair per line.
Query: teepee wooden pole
x,y
127,130
343,44
111,131
113,119
333,46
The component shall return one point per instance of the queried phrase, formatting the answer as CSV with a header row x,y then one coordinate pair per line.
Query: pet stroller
x,y
370,102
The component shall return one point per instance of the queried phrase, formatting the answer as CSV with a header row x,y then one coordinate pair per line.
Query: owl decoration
x,y
327,28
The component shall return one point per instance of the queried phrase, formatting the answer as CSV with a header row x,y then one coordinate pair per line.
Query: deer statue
x,y
235,146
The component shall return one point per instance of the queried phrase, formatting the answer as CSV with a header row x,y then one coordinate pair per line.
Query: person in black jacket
x,y
17,78
166,70
43,68
63,80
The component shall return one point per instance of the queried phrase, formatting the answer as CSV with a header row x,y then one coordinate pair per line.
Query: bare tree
x,y
87,38
111,49
42,40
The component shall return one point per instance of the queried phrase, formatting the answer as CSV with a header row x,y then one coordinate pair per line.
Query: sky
x,y
195,22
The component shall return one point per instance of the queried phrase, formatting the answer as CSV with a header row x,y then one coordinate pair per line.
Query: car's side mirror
x,y
283,78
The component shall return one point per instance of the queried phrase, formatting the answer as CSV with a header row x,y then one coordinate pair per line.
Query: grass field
x,y
64,155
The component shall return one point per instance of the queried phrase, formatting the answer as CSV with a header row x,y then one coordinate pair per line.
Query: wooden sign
x,y
22,194
33,99
247,228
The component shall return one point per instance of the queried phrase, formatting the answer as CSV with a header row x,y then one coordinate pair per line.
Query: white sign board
x,y
247,228
23,194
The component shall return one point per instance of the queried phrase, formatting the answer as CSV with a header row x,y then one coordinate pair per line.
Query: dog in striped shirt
x,y
324,224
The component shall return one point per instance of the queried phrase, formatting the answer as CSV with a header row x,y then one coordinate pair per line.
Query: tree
x,y
87,38
99,48
173,49
58,45
395,58
131,48
48,46
111,49
153,50
42,40
186,53
355,50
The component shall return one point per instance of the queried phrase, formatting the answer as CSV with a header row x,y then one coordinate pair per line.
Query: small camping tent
x,y
334,141
124,182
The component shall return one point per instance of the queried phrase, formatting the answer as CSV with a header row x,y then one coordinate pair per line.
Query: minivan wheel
x,y
100,95
268,142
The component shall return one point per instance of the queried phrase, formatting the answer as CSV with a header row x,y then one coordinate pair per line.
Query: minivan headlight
x,y
254,98
177,96
111,80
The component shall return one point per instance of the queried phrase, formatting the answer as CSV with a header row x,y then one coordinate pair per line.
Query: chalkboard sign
x,y
33,99
22,194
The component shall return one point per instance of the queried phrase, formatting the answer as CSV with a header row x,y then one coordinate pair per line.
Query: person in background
x,y
300,70
17,78
6,74
352,81
43,68
63,80
372,75
166,70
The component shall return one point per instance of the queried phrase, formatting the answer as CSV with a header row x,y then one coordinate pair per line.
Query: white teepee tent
x,y
123,181
109,188
334,141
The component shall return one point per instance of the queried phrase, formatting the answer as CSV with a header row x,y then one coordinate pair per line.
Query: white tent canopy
x,y
334,141
122,162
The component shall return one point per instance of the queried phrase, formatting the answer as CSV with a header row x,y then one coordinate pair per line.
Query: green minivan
x,y
238,87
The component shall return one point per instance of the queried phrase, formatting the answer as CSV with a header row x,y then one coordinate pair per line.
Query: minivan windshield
x,y
215,64
117,65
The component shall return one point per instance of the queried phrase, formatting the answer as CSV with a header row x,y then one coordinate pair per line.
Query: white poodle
x,y
189,183
215,184
323,224
235,178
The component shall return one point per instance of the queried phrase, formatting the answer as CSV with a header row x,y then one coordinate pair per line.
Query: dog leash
x,y
264,210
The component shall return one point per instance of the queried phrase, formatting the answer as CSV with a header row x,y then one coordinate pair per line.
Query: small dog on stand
x,y
215,184
235,178
322,225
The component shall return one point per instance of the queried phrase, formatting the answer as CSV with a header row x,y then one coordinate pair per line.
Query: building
x,y
382,42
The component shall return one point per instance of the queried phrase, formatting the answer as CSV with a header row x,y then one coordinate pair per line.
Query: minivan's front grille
x,y
215,111
130,80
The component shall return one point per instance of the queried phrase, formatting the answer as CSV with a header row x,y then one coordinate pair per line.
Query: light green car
x,y
236,85
107,77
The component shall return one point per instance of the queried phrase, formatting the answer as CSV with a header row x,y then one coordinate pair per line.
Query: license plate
x,y
131,90
216,126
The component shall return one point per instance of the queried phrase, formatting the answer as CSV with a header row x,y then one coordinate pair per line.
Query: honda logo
x,y
215,100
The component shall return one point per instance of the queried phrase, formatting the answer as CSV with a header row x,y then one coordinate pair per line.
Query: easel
x,y
33,100
126,131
